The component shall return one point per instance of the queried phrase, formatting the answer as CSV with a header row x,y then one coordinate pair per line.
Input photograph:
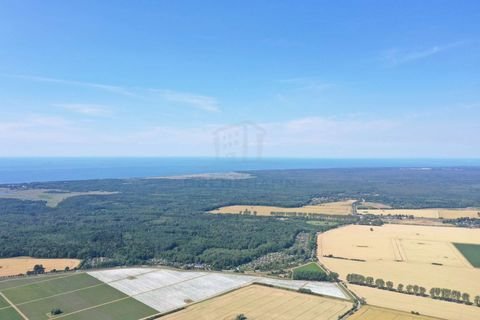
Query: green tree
x,y
380,283
422,291
476,301
466,298
409,289
389,285
56,311
416,289
241,317
369,281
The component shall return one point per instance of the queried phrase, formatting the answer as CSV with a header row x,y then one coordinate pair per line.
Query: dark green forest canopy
x,y
166,219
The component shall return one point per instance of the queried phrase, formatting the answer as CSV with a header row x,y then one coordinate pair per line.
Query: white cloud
x,y
94,110
193,100
394,57
303,137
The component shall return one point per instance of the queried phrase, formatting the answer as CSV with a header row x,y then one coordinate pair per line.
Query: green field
x,y
312,266
79,296
9,313
471,252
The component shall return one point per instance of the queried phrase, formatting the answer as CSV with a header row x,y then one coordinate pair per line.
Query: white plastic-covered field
x,y
166,290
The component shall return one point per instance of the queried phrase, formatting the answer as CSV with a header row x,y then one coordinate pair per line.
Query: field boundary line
x,y
46,280
14,306
460,256
3,308
61,294
89,308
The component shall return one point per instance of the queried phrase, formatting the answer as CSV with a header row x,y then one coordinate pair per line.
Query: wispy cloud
x,y
201,102
193,100
395,56
92,110
104,87
307,83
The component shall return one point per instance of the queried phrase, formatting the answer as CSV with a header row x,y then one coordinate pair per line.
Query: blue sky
x,y
159,78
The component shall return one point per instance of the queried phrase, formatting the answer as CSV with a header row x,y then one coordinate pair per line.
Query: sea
x,y
24,170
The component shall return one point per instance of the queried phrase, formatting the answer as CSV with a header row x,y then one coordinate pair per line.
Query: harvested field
x,y
50,196
151,285
408,303
259,302
330,208
20,265
78,296
405,254
375,313
426,213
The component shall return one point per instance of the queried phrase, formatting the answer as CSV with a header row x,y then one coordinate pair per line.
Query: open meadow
x,y
52,197
403,254
329,208
260,302
20,265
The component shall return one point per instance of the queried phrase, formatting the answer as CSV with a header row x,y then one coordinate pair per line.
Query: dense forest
x,y
165,220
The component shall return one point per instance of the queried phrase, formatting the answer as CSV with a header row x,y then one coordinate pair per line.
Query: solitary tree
x,y
56,311
241,316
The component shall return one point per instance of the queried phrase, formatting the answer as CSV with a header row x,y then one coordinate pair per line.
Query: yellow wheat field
x,y
408,303
264,303
20,265
404,254
331,208
426,213
376,313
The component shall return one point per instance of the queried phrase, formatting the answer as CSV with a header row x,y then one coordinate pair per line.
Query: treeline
x,y
444,294
313,275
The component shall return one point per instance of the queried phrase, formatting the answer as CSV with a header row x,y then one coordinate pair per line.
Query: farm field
x,y
260,302
404,254
78,296
426,213
471,252
329,208
152,285
375,313
408,303
20,265
51,196
312,266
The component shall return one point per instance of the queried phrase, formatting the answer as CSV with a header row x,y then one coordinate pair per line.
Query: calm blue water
x,y
18,170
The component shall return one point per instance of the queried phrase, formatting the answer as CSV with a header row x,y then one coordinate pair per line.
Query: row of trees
x,y
450,295
314,275
435,293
